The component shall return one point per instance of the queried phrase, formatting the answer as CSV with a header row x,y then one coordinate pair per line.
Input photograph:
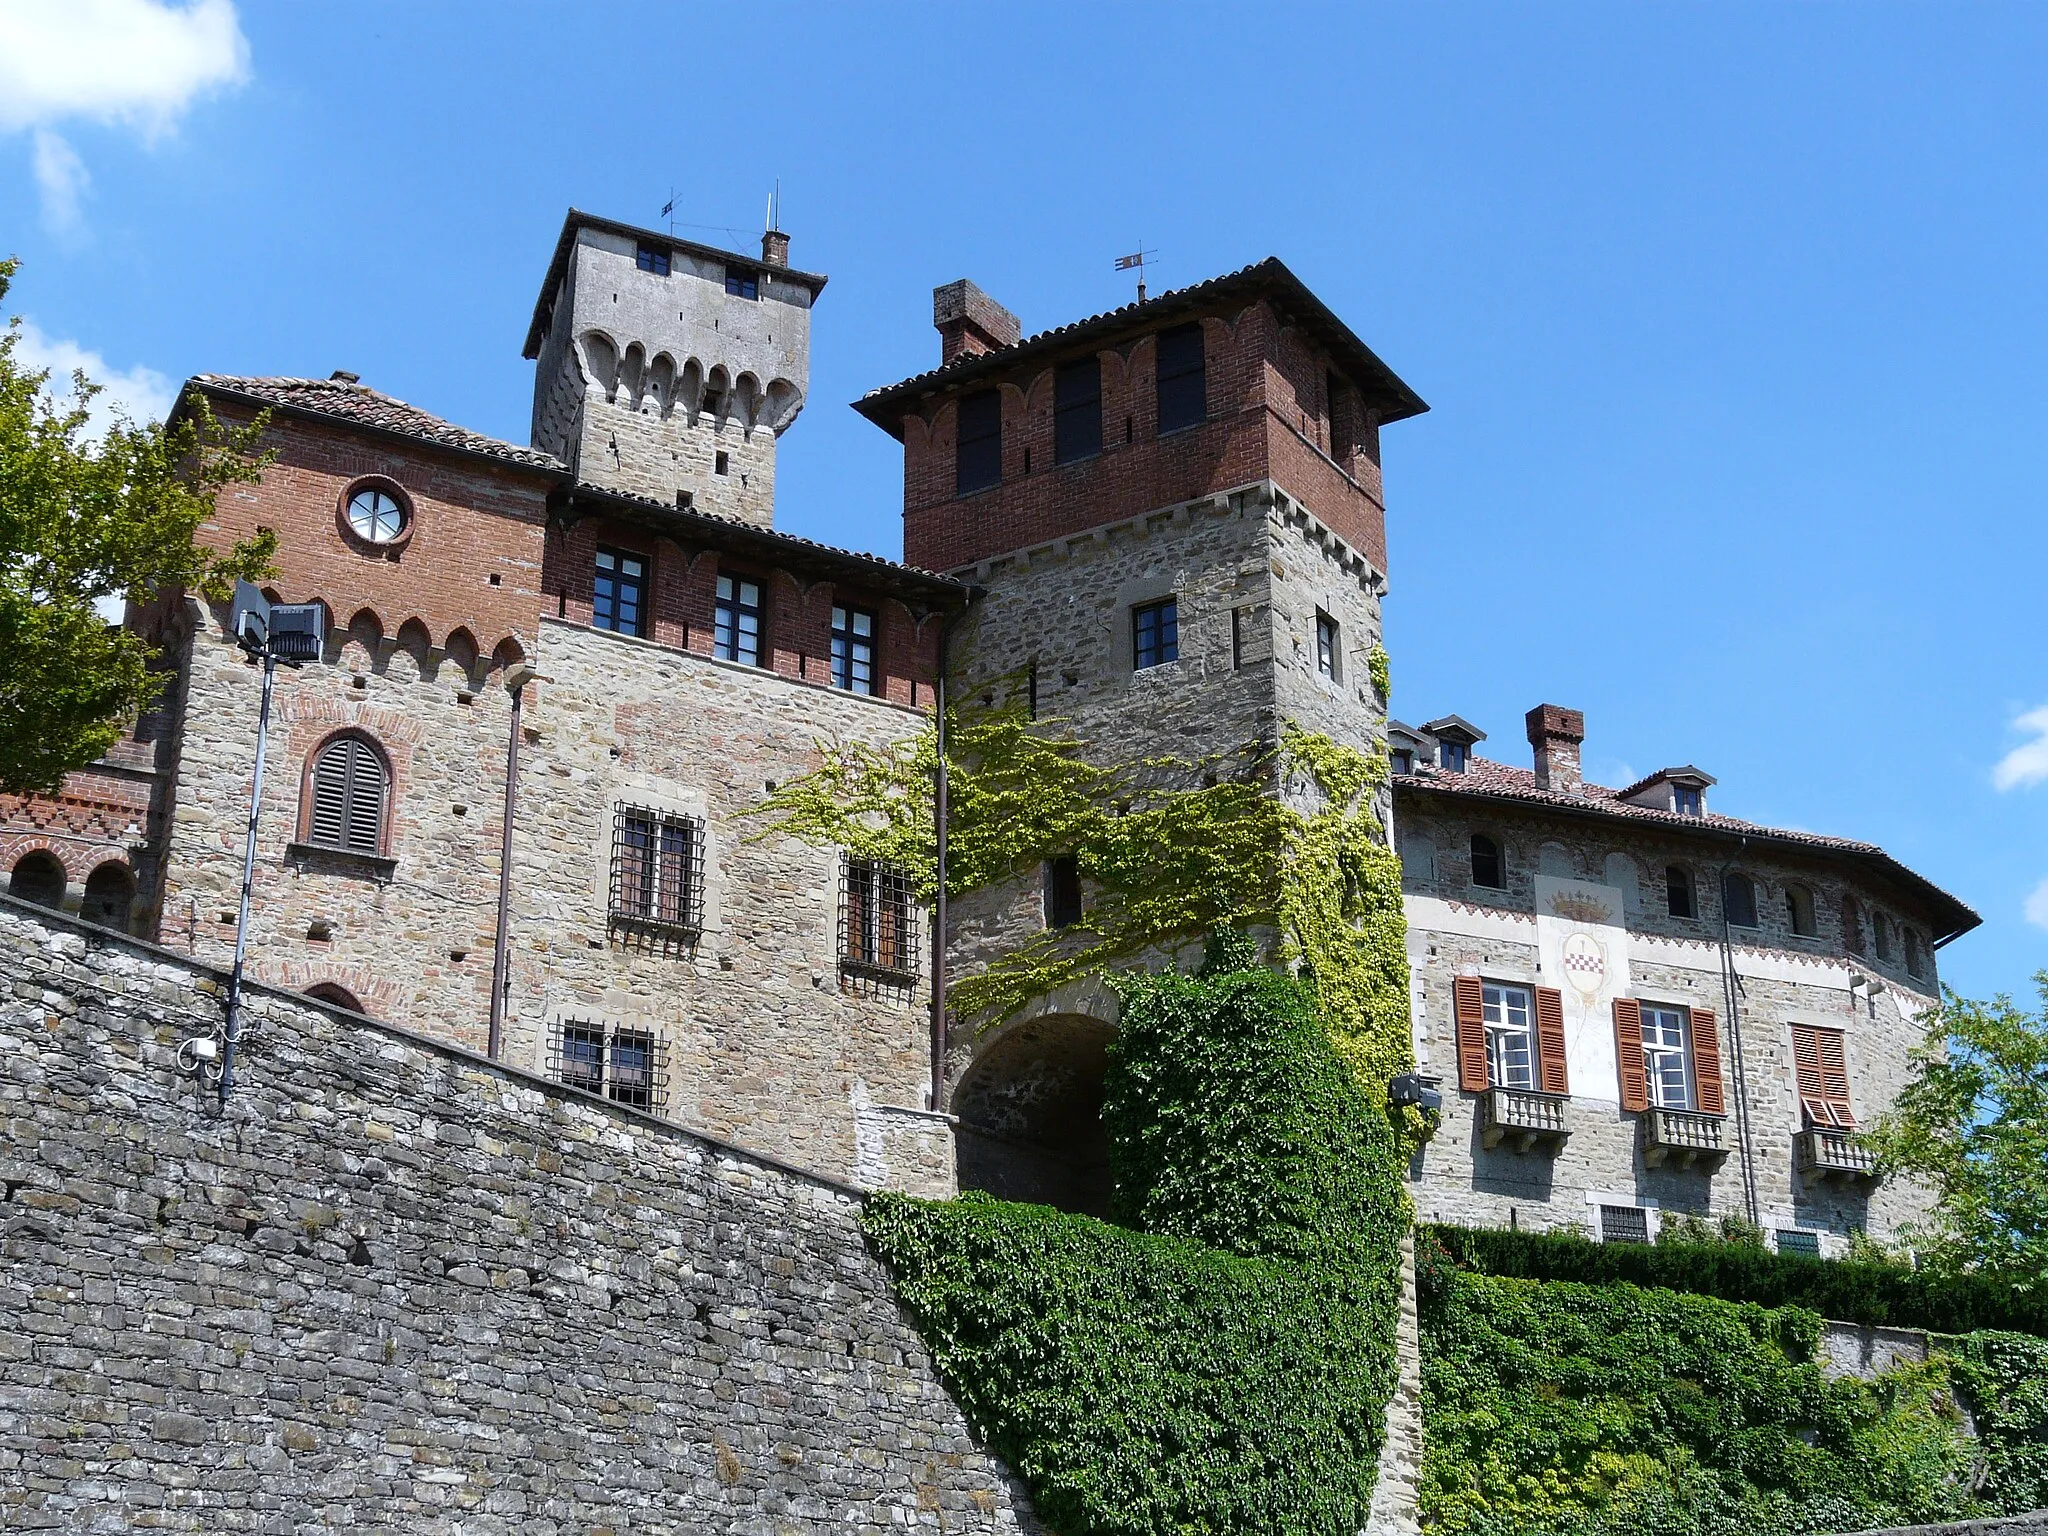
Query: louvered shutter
x,y
348,797
1550,1041
365,799
1806,1054
1706,1064
1834,1075
1628,1054
1468,996
329,822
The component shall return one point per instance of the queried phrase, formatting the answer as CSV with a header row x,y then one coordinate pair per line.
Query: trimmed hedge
x,y
1843,1290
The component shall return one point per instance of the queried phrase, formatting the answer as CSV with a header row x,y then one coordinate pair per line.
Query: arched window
x,y
109,895
1679,900
345,808
339,996
1852,926
1738,900
1916,955
1486,863
1881,932
39,878
1799,908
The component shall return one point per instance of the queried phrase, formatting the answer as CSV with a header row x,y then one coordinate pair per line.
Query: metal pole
x,y
234,1025
939,813
1731,997
501,969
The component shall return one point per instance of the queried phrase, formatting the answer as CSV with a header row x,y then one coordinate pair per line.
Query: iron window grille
x,y
1806,1244
878,925
1155,634
853,650
349,790
736,632
628,1066
657,872
1624,1224
619,592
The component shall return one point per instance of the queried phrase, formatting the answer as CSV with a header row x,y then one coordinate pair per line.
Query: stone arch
x,y
507,651
599,356
746,401
110,896
715,399
334,992
661,383
1620,871
1030,1113
632,372
783,402
363,641
413,641
1555,860
460,650
38,876
690,387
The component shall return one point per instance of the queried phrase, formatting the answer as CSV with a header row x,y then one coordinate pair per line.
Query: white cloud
x,y
2036,908
135,63
140,394
2026,764
63,178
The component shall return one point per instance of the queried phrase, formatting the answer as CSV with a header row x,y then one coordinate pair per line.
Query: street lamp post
x,y
517,676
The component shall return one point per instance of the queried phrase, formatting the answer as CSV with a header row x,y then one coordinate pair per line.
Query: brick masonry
x,y
397,1287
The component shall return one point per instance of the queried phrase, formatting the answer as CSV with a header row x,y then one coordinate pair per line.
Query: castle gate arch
x,y
1030,1114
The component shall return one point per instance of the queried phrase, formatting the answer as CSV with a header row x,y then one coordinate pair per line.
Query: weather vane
x,y
1137,259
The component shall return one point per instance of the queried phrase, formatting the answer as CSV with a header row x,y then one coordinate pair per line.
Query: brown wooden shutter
x,y
1468,996
1550,1040
1834,1075
1628,1054
1706,1064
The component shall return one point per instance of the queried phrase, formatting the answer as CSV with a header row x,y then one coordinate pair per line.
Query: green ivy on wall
x,y
1222,1363
1170,850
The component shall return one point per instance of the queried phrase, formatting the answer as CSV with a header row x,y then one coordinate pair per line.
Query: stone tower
x,y
668,369
1174,510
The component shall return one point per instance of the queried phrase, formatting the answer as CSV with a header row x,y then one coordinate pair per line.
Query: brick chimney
x,y
1555,733
970,322
774,249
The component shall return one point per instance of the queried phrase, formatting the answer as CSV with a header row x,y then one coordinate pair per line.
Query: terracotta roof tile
x,y
367,407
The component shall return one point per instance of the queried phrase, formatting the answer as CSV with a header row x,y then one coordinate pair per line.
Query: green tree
x,y
1973,1123
82,520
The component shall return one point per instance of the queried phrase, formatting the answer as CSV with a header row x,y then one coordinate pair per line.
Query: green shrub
x,y
1553,1407
1851,1292
1227,1368
2004,1379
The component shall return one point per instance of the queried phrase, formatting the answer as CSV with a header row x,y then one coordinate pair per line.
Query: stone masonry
x,y
396,1287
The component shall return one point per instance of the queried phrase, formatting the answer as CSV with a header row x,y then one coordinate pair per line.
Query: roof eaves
x,y
534,459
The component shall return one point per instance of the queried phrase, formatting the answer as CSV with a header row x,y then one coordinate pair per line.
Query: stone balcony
x,y
1681,1137
1523,1120
1833,1154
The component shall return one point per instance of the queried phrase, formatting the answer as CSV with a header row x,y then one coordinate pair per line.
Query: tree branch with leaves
x,y
84,519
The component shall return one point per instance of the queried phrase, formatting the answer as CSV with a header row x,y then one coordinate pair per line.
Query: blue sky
x,y
1731,316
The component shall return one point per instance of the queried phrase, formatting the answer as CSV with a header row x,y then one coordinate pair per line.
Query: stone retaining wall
x,y
397,1288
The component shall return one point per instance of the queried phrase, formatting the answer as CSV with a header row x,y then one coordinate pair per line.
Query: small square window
x,y
1686,800
652,259
1155,634
742,282
1403,760
1329,660
1450,756
1805,1244
1624,1224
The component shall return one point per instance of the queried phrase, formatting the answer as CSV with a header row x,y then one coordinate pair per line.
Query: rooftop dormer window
x,y
1403,760
1688,800
1451,756
651,259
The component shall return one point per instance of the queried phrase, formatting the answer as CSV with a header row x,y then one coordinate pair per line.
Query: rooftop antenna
x,y
668,211
775,206
1136,259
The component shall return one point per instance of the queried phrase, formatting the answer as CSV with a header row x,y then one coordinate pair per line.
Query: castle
x,y
1170,519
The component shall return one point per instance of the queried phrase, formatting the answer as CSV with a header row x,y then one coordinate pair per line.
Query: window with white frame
x,y
1329,658
1667,1056
1510,1045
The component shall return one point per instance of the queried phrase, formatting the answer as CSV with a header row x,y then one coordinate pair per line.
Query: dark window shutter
x,y
1076,410
978,461
1468,995
1628,1054
348,797
1183,380
329,823
1706,1063
1834,1075
1550,1040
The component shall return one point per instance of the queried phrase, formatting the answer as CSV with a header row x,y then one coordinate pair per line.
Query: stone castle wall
x,y
396,1287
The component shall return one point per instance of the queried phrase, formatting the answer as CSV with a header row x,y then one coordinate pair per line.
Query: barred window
x,y
628,1066
657,870
877,919
1624,1224
346,808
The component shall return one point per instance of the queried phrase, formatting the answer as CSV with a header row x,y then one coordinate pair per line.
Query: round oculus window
x,y
376,517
